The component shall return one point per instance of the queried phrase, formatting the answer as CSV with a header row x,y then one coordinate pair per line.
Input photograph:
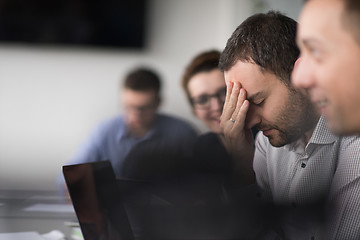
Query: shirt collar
x,y
298,146
321,135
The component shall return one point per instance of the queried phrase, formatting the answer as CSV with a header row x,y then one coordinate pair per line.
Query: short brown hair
x,y
268,40
203,62
143,79
351,18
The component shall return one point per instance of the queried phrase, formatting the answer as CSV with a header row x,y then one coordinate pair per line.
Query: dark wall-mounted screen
x,y
105,23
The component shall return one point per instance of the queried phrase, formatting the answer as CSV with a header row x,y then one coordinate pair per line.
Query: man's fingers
x,y
241,109
232,103
234,111
241,115
241,96
238,127
227,109
229,87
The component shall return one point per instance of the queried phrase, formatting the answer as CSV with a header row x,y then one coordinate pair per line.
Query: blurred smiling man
x,y
329,39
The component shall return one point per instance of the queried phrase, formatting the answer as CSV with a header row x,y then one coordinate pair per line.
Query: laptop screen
x,y
97,201
179,208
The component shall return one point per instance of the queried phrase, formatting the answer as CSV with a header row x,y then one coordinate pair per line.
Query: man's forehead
x,y
316,13
318,20
242,71
254,81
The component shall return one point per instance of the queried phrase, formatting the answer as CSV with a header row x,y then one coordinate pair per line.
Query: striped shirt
x,y
301,179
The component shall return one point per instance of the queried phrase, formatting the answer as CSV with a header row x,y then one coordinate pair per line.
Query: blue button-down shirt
x,y
112,141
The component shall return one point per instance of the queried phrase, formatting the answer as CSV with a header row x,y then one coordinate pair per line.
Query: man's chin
x,y
338,127
277,141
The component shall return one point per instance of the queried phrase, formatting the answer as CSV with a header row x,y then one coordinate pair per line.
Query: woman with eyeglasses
x,y
204,85
205,88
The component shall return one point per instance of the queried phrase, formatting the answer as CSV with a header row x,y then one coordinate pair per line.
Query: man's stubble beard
x,y
296,118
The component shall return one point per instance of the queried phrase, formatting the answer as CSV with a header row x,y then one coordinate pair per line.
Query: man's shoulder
x,y
111,125
115,120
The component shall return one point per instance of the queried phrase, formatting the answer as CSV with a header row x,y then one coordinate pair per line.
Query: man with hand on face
x,y
299,165
329,39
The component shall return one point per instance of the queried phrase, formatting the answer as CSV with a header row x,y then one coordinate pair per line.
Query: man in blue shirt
x,y
141,143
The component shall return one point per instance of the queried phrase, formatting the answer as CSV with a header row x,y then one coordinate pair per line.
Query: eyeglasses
x,y
204,101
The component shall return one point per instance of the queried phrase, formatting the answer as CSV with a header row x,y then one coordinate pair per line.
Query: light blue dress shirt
x,y
170,138
112,141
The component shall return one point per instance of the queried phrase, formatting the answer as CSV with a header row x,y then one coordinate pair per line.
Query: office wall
x,y
51,97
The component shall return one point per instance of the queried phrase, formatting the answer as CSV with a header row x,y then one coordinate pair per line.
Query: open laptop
x,y
110,208
97,201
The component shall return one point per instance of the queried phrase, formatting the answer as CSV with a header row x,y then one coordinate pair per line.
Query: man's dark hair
x,y
143,79
203,62
267,39
351,18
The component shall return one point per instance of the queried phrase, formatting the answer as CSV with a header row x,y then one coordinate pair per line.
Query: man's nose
x,y
301,76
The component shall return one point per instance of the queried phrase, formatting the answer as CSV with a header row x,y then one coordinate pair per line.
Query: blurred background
x,y
61,64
